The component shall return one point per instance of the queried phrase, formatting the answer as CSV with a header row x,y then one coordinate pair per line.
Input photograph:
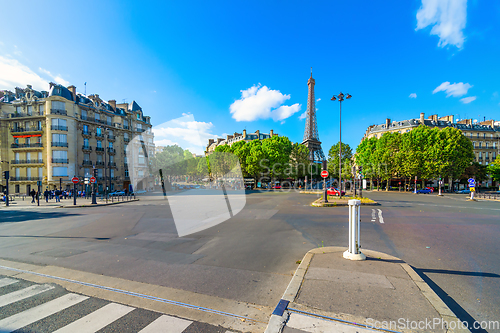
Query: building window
x,y
108,118
58,105
479,145
99,173
486,145
19,109
60,138
126,173
17,188
99,131
99,144
86,172
140,173
110,144
86,142
41,109
30,110
97,116
86,129
40,172
141,159
59,124
59,171
59,156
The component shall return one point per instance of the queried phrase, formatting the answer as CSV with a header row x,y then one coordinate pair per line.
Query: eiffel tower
x,y
311,137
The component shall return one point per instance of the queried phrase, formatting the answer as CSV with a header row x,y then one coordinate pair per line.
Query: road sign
x,y
472,189
472,182
92,180
75,180
324,174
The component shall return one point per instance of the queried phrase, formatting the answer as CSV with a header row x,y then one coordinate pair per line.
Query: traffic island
x,y
335,201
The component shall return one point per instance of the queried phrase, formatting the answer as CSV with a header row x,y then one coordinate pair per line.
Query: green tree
x,y
333,161
477,171
364,157
170,160
386,158
494,169
299,161
277,151
413,152
256,160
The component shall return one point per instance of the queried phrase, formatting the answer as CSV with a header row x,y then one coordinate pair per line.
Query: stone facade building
x,y
485,135
52,136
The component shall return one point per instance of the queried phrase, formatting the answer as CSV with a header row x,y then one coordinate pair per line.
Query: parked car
x,y
276,187
463,192
430,188
424,191
334,191
117,193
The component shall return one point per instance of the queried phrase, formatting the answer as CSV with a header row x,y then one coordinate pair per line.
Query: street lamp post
x,y
340,97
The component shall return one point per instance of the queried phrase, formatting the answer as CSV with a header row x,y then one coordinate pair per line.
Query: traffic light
x,y
95,173
360,169
6,175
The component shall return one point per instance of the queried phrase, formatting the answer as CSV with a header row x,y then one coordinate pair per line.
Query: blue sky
x,y
232,65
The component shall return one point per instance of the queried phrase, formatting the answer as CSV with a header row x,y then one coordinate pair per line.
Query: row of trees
x,y
428,153
273,158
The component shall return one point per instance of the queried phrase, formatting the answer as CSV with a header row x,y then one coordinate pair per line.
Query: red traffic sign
x,y
324,174
92,180
75,180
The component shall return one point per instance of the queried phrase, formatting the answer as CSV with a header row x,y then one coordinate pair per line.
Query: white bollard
x,y
353,253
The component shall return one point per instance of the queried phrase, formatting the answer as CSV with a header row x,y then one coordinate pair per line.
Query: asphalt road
x,y
252,256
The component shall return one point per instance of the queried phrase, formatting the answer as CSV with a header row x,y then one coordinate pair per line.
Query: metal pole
x,y
7,192
38,196
105,173
353,252
74,194
340,151
60,184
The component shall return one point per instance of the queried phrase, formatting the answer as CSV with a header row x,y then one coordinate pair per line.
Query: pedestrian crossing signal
x,y
6,175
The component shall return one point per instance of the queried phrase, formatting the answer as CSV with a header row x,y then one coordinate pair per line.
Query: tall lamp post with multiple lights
x,y
340,97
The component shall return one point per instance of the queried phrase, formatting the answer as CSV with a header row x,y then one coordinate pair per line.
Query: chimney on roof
x,y
112,103
271,133
447,118
244,134
422,118
387,122
210,141
72,89
488,123
258,133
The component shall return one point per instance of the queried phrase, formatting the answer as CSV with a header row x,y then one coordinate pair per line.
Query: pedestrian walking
x,y
32,193
46,195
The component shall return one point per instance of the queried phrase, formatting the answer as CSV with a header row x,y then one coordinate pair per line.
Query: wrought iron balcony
x,y
99,149
60,160
25,129
85,162
126,139
27,145
86,133
111,150
59,111
87,118
59,144
17,179
89,148
99,163
59,128
37,161
112,164
99,135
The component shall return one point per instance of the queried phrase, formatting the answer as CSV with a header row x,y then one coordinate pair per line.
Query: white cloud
x,y
14,74
185,132
262,103
467,100
413,95
57,78
455,89
447,18
303,116
319,99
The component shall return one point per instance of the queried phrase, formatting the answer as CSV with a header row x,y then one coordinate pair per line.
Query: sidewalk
x,y
64,203
331,294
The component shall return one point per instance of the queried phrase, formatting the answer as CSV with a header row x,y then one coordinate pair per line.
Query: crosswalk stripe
x,y
7,282
97,320
19,295
166,324
37,313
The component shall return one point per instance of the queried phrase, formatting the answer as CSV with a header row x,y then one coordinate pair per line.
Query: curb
x,y
320,203
98,205
280,314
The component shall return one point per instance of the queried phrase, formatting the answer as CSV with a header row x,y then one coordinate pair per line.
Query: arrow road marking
x,y
381,219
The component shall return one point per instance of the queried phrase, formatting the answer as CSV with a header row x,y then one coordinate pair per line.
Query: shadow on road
x,y
460,312
22,215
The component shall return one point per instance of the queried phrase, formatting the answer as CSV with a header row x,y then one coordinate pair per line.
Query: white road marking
x,y
7,282
37,313
97,320
381,219
19,295
374,218
166,324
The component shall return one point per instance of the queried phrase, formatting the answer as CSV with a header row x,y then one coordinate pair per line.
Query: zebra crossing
x,y
50,308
